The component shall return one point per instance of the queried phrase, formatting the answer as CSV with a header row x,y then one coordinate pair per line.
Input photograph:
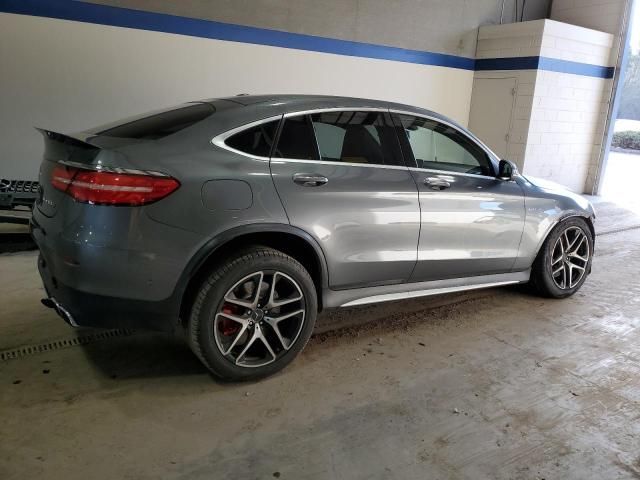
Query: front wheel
x,y
253,315
564,261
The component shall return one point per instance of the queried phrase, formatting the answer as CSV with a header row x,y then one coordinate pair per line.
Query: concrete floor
x,y
497,384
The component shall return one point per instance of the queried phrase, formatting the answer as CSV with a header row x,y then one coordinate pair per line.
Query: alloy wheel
x,y
259,318
569,258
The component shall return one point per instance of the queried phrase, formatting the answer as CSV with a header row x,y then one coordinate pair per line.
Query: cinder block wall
x,y
562,97
566,128
607,16
569,109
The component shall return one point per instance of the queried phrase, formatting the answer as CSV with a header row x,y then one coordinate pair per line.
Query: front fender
x,y
546,205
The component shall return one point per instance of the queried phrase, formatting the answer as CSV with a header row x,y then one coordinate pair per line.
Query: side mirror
x,y
507,170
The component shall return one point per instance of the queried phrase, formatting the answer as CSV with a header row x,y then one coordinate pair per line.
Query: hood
x,y
546,184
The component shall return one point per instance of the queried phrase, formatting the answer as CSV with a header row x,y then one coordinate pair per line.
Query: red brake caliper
x,y
228,327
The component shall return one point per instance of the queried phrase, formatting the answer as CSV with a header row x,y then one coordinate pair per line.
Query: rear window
x,y
162,124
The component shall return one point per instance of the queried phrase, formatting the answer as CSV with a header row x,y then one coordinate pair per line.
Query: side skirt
x,y
385,293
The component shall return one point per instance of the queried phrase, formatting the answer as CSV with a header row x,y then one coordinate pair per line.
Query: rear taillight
x,y
110,188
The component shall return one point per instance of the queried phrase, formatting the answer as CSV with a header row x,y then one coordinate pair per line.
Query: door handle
x,y
310,179
436,183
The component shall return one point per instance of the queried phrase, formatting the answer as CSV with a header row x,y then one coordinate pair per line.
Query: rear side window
x,y
162,124
297,139
255,140
357,137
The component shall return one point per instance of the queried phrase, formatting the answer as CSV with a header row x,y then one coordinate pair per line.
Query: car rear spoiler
x,y
77,141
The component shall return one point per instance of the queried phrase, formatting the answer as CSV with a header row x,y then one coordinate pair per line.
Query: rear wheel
x,y
253,315
564,261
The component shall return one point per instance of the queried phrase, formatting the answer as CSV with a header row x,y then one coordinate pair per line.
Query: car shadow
x,y
151,355
143,355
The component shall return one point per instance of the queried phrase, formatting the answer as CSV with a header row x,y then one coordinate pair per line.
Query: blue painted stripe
x,y
576,68
160,22
515,63
545,63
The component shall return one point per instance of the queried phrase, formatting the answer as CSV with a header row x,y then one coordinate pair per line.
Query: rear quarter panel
x,y
219,189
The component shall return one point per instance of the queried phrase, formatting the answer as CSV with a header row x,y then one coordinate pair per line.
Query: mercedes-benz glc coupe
x,y
236,220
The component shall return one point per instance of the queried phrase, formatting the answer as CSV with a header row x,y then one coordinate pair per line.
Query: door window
x,y
438,146
357,137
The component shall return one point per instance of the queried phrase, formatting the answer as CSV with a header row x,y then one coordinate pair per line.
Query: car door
x,y
471,221
351,191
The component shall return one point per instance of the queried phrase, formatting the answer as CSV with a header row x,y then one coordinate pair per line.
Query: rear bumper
x,y
112,267
82,309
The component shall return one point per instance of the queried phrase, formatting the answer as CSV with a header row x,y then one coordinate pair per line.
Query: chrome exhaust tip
x,y
60,310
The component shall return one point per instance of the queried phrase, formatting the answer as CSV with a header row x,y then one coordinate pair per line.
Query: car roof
x,y
292,102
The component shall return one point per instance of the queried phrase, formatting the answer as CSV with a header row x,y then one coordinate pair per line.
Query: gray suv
x,y
236,220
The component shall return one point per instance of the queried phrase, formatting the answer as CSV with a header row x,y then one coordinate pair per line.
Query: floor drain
x,y
64,343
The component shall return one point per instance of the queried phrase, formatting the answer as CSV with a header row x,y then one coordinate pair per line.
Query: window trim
x,y
219,140
346,164
450,172
335,109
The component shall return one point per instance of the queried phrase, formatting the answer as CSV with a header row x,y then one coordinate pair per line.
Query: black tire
x,y
542,278
211,299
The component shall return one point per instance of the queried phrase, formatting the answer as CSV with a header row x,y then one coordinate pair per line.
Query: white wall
x,y
609,16
574,43
558,121
602,15
567,127
569,111
521,114
67,76
445,26
508,41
